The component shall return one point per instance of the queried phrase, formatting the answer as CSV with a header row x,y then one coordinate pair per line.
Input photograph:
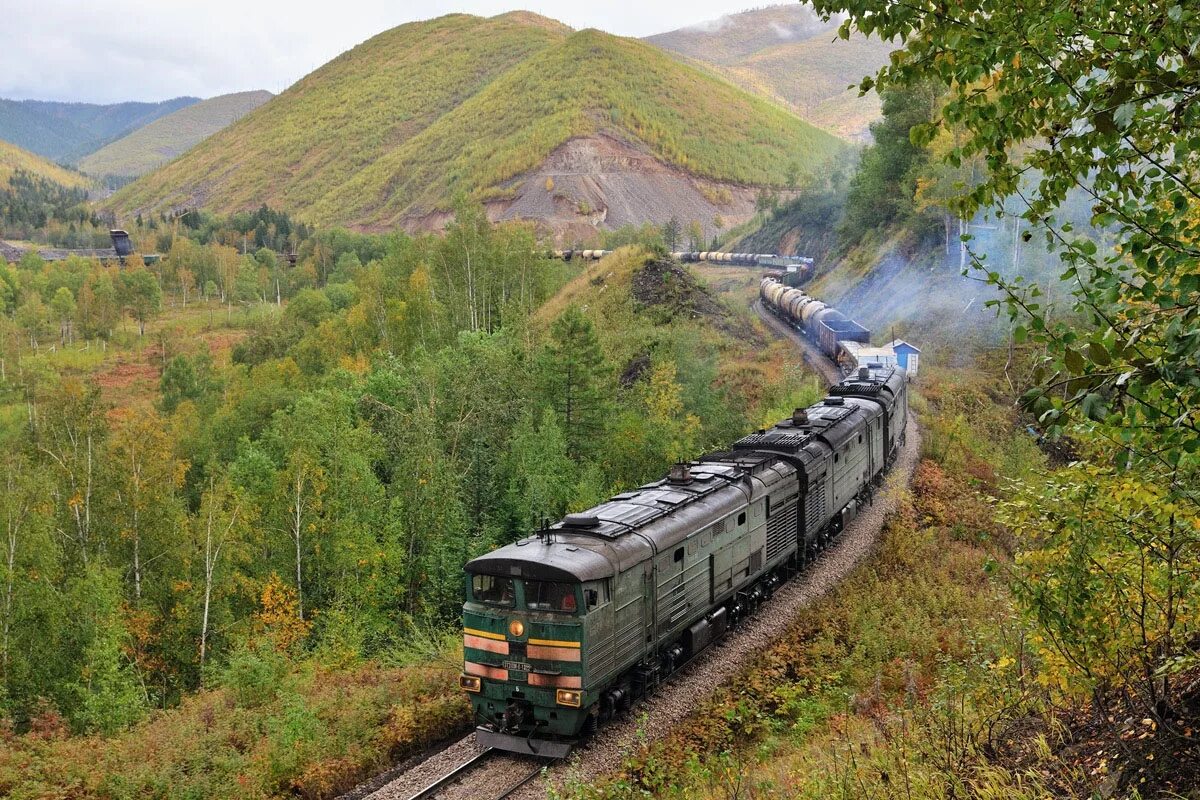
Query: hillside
x,y
65,132
578,129
788,54
165,138
14,159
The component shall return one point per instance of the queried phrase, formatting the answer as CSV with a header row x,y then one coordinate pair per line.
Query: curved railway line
x,y
464,771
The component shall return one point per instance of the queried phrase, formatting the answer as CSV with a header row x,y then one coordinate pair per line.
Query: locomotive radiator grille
x,y
781,528
816,507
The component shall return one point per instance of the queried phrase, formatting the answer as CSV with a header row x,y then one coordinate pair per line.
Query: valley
x,y
437,390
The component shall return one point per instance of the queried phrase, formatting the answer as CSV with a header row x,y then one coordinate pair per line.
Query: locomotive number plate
x,y
516,666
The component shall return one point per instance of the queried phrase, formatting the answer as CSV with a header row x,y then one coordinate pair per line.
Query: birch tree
x,y
220,525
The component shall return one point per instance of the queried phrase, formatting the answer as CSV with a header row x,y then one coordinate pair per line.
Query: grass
x,y
399,125
167,137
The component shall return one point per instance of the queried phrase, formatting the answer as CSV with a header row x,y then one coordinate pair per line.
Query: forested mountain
x,y
13,159
509,110
37,196
165,138
789,54
66,132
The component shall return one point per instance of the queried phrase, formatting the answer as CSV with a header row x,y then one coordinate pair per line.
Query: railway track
x,y
453,775
486,774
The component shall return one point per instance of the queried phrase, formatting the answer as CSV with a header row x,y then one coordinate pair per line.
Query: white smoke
x,y
783,32
712,25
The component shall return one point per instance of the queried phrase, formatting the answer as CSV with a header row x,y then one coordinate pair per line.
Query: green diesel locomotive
x,y
567,628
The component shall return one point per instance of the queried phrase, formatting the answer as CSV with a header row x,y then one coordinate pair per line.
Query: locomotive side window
x,y
742,518
550,596
492,590
595,594
678,554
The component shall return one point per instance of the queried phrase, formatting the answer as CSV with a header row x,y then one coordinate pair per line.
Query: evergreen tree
x,y
107,693
575,381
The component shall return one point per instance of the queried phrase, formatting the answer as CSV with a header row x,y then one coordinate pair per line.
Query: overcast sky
x,y
114,50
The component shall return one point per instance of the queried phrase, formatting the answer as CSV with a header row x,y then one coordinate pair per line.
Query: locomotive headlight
x,y
516,628
568,697
470,683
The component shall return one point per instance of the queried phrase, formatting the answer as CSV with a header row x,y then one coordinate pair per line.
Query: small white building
x,y
907,356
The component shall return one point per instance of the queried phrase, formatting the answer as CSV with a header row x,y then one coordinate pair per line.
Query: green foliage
x,y
35,194
304,500
881,191
1109,581
1061,86
187,378
469,105
254,672
108,696
141,295
540,472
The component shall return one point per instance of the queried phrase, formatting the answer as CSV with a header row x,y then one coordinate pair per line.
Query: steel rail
x,y
441,783
536,771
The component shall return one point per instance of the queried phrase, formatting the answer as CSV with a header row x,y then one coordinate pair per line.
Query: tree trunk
x,y
297,533
963,228
14,523
137,558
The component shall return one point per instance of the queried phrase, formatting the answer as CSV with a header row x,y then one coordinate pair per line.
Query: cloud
x,y
114,50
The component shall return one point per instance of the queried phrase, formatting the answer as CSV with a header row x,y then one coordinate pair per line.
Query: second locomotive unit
x,y
569,627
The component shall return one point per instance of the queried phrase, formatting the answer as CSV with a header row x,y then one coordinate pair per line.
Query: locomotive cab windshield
x,y
557,597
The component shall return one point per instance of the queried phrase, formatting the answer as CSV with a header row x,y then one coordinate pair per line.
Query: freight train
x,y
823,325
567,628
798,264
